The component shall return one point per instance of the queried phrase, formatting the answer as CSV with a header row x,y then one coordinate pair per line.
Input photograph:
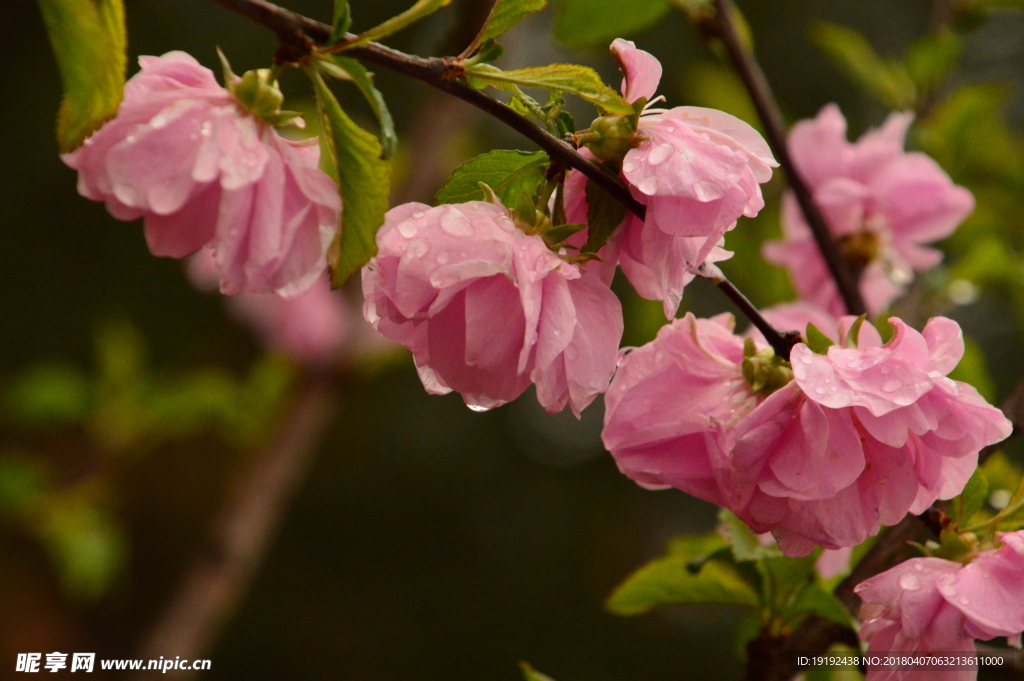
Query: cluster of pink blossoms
x,y
930,604
186,155
819,452
881,204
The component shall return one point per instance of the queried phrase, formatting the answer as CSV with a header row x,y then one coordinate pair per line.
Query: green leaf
x,y
817,341
582,81
814,599
504,15
557,235
509,173
90,43
531,674
970,501
744,543
49,395
930,59
886,80
783,578
421,10
364,179
342,21
364,81
585,23
853,334
23,482
667,581
604,214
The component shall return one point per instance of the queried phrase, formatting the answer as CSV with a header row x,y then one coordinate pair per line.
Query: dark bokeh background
x,y
429,542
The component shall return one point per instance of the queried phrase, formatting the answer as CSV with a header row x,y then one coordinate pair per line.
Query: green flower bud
x,y
610,137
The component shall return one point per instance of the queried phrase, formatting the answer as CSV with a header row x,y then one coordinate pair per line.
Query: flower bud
x,y
257,94
610,137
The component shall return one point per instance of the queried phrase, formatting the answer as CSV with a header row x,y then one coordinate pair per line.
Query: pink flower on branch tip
x,y
928,605
696,170
487,309
821,451
882,205
184,154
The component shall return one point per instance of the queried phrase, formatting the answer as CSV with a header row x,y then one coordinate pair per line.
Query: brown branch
x,y
724,26
444,74
215,584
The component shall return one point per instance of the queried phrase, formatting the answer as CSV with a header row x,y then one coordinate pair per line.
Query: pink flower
x,y
928,605
696,170
882,204
856,439
312,327
487,309
185,155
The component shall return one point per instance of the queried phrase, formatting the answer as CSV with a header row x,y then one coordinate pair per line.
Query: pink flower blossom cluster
x,y
183,154
934,605
488,309
881,203
696,170
821,451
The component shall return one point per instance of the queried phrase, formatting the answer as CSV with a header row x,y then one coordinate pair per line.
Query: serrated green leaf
x,y
970,501
886,80
504,15
342,21
814,599
930,59
421,10
364,81
90,42
509,173
817,341
667,581
582,81
364,179
604,214
531,674
585,23
744,543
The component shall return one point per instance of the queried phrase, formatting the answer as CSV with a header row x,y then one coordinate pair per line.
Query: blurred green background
x,y
428,542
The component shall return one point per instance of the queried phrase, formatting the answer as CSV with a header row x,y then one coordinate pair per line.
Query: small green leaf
x,y
421,10
85,541
744,543
342,21
885,79
90,42
970,501
504,15
783,578
557,235
581,81
952,546
531,674
604,215
364,81
930,59
814,599
364,179
667,581
586,23
853,334
509,173
817,341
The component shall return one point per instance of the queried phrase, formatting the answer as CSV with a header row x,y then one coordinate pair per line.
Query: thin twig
x,y
444,74
213,587
724,26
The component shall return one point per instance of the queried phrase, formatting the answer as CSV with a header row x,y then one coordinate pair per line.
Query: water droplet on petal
x,y
890,386
418,248
649,185
418,214
456,224
478,408
807,360
670,129
660,154
158,121
557,332
919,566
443,257
886,371
964,600
408,229
628,166
909,582
819,390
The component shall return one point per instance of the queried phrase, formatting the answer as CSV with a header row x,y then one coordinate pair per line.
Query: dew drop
x,y
478,408
919,566
557,332
628,166
649,185
886,371
964,600
910,582
835,389
670,129
819,390
204,129
418,248
158,121
660,154
408,229
418,214
456,224
890,386
806,360
443,257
